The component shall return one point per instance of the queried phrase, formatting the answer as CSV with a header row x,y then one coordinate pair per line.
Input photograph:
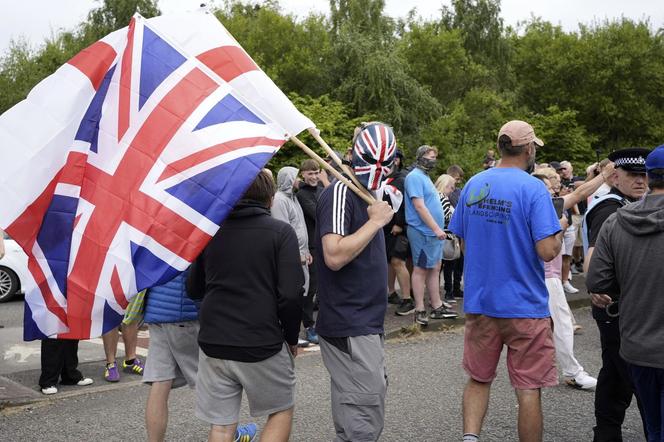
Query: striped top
x,y
448,210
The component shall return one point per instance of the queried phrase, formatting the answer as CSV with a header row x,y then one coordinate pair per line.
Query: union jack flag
x,y
175,126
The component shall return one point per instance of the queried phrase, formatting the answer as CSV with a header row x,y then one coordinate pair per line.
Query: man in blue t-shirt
x,y
352,283
424,216
508,225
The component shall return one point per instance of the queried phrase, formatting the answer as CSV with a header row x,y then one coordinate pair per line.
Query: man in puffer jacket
x,y
173,353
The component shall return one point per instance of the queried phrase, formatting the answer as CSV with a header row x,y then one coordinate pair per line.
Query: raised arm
x,y
586,189
339,250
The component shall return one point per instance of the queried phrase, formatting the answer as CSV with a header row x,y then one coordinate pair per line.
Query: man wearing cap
x,y
613,393
352,284
626,265
424,216
509,226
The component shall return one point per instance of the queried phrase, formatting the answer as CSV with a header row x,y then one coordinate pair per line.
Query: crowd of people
x,y
506,243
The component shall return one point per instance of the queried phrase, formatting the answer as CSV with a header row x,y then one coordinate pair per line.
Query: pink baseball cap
x,y
520,133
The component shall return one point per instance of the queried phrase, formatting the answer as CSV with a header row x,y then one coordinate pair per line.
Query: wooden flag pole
x,y
316,134
368,199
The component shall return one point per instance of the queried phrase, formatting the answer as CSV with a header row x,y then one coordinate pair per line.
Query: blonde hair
x,y
443,181
546,171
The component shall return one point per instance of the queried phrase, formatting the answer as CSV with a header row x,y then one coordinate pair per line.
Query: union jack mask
x,y
374,149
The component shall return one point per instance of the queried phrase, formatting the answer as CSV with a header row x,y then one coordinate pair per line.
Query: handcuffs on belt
x,y
612,310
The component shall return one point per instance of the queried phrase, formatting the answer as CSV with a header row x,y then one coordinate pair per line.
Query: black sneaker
x,y
443,312
422,318
406,307
458,293
394,298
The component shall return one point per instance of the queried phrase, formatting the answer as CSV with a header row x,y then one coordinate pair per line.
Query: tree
x,y
294,54
437,58
332,118
564,138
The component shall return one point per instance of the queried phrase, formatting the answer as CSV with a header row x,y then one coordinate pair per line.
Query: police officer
x,y
614,391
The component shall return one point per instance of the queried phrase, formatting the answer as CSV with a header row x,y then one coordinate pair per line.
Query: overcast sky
x,y
36,20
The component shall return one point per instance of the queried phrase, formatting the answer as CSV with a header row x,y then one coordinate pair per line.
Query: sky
x,y
37,20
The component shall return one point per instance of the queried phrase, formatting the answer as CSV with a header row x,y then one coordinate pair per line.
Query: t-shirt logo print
x,y
476,198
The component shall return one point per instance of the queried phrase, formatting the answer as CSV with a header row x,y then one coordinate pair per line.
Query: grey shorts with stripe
x,y
358,387
173,353
268,384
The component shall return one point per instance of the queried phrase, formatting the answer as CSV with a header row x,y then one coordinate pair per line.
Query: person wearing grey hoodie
x,y
627,266
286,207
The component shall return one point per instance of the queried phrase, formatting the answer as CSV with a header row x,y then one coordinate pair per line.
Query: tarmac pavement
x,y
423,404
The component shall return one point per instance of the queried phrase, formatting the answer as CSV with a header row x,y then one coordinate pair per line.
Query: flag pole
x,y
367,198
316,134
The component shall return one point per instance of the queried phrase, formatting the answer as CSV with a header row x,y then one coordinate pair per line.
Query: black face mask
x,y
426,164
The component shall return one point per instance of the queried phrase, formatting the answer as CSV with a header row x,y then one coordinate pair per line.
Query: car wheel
x,y
8,284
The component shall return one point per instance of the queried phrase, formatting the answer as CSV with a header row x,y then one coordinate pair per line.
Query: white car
x,y
13,269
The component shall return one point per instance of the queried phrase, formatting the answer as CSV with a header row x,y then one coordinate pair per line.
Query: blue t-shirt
x,y
352,300
419,185
502,213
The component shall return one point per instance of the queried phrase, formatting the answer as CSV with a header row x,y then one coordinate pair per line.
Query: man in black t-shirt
x,y
352,283
614,391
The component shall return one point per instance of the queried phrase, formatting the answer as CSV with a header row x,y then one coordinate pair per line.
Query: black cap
x,y
631,159
555,165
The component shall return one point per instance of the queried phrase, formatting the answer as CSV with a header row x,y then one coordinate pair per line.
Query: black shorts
x,y
397,246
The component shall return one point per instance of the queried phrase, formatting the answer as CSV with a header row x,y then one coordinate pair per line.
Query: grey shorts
x,y
268,384
173,353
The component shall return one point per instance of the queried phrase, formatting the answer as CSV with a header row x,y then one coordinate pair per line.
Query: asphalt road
x,y
423,404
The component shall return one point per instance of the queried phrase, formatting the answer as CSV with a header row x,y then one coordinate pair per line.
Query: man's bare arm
x,y
340,250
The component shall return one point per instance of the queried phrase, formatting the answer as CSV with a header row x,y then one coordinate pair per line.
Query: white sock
x,y
471,437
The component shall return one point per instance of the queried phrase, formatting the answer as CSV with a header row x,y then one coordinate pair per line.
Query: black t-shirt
x,y
601,213
352,300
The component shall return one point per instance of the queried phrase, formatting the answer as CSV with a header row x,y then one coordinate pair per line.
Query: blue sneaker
x,y
312,336
246,432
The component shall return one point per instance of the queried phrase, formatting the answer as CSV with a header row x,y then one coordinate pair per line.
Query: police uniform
x,y
614,390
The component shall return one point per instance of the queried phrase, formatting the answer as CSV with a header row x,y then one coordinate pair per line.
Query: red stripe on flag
x,y
228,62
125,82
118,292
94,61
113,196
214,151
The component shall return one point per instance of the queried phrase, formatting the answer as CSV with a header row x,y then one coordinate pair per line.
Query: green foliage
x,y
564,138
451,82
292,53
333,119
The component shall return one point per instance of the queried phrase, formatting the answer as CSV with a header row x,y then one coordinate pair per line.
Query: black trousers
x,y
614,391
453,271
308,301
59,360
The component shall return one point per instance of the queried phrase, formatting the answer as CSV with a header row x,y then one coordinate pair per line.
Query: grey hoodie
x,y
287,208
627,265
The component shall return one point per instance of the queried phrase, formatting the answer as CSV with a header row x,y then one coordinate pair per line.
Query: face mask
x,y
426,164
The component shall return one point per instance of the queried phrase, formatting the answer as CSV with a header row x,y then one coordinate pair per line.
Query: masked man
x,y
350,252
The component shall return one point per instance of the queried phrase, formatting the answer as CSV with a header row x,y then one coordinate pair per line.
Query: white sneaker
x,y
85,381
302,343
569,288
582,381
49,390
